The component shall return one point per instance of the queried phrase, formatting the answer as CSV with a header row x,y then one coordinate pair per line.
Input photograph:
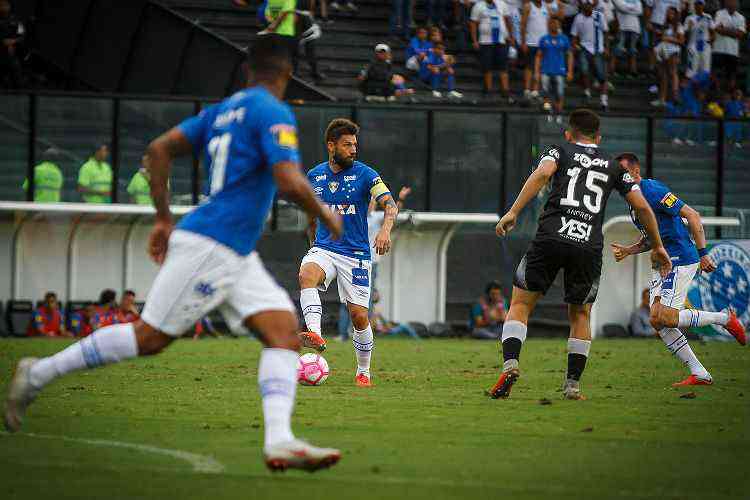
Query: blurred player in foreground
x,y
667,295
209,260
569,238
346,186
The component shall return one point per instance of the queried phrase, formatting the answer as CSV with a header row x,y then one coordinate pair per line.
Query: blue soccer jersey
x,y
241,137
348,193
674,234
554,52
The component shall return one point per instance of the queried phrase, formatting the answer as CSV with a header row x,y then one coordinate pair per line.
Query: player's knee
x,y
578,313
307,279
360,320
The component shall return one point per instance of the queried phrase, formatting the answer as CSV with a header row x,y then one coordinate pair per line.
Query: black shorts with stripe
x,y
544,259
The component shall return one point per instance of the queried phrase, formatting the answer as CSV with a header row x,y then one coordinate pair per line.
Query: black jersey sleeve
x,y
555,153
624,183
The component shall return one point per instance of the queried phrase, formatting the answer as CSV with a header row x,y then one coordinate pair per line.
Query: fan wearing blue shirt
x,y
418,50
668,294
208,261
346,186
554,61
438,73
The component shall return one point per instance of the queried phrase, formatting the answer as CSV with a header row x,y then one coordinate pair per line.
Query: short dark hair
x,y
129,292
585,122
631,158
492,285
107,296
269,56
48,294
339,127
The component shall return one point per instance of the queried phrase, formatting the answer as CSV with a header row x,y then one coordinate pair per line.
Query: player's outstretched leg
x,y
363,341
514,334
105,346
277,379
664,320
692,318
310,276
579,345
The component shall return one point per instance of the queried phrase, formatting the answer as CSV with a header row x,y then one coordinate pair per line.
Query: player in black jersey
x,y
569,237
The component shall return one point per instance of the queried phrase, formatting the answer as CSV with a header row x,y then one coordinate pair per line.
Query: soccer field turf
x,y
425,431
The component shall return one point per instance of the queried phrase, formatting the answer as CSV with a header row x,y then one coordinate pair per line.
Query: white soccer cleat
x,y
20,395
572,390
297,454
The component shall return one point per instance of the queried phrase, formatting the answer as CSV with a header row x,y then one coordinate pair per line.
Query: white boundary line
x,y
200,463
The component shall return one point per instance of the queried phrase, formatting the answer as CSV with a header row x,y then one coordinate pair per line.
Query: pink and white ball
x,y
312,369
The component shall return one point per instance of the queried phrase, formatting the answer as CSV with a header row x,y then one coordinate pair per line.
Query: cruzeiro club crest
x,y
333,186
729,285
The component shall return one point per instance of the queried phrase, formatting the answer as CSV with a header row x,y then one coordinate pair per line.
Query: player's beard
x,y
343,161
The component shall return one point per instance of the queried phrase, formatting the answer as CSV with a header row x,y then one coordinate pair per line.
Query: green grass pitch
x,y
426,431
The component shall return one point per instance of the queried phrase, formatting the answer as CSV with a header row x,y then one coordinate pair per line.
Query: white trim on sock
x,y
364,342
693,318
514,329
579,346
312,309
678,345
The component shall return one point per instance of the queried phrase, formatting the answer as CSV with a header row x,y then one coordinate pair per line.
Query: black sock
x,y
511,348
576,365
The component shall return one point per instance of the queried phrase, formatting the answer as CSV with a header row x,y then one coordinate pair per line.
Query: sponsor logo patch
x,y
669,200
285,136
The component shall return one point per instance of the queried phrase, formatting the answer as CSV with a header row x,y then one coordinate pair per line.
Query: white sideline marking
x,y
200,463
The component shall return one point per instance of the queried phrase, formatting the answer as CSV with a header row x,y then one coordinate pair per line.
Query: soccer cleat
x,y
363,380
734,327
20,395
297,454
501,389
572,390
693,380
313,341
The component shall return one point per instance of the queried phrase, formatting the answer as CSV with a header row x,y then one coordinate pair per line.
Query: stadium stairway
x,y
347,46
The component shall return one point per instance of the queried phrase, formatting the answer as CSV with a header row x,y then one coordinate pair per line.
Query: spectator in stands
x,y
554,61
668,55
569,12
628,19
418,50
308,33
534,25
378,81
491,35
699,30
689,104
655,12
95,178
382,326
139,188
281,17
105,310
204,327
127,312
12,34
401,18
48,320
80,321
323,11
439,74
730,30
488,314
734,109
48,178
588,32
640,320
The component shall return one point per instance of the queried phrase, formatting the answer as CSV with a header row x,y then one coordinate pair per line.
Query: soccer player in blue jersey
x,y
688,256
208,260
346,186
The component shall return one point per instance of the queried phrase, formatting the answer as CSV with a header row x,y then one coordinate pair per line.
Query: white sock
x,y
277,379
105,346
363,344
691,318
312,310
678,345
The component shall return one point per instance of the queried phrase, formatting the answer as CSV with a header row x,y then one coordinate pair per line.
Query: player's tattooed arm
x,y
659,256
536,181
383,239
622,251
699,236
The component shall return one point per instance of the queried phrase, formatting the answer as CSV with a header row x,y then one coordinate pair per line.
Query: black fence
x,y
455,159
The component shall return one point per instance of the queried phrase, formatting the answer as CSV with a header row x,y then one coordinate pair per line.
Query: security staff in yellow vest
x,y
48,179
95,178
139,188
